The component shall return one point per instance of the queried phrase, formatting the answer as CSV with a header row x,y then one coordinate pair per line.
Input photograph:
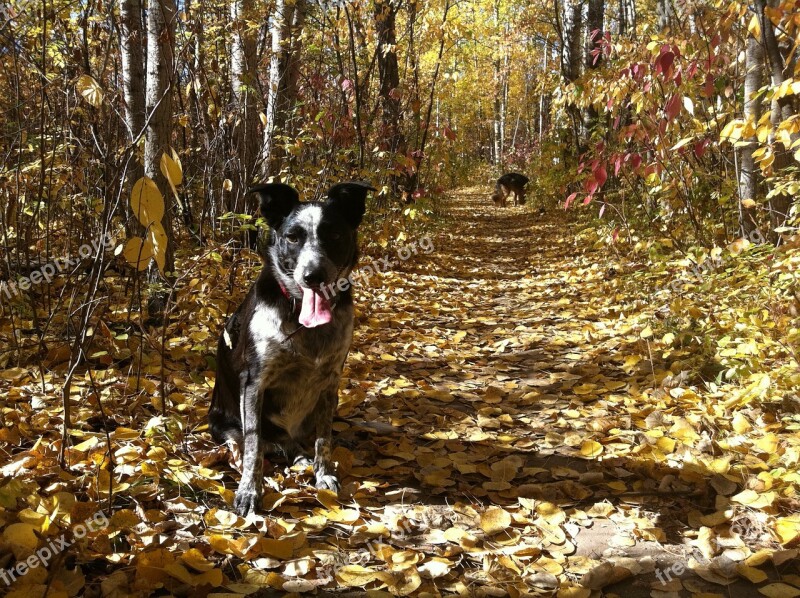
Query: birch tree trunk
x,y
627,17
285,31
781,111
570,31
666,14
593,59
243,92
749,174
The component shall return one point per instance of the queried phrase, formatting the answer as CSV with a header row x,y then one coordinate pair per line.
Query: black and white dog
x,y
281,354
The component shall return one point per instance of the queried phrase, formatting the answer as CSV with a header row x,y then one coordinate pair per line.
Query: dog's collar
x,y
285,292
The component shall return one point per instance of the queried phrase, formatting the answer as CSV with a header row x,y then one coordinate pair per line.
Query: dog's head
x,y
313,245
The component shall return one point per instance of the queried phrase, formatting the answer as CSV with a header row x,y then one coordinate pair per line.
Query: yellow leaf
x,y
574,592
768,444
788,528
732,131
172,170
748,203
754,27
436,567
197,560
591,449
646,333
147,202
738,246
751,573
355,576
281,549
740,424
494,520
779,590
22,539
137,253
151,565
753,499
90,90
157,237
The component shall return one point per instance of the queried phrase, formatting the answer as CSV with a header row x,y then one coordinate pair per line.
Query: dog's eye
x,y
335,236
292,238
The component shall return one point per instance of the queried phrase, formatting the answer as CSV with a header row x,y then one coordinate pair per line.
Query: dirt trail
x,y
511,380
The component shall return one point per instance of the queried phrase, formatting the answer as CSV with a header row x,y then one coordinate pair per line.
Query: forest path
x,y
514,378
506,427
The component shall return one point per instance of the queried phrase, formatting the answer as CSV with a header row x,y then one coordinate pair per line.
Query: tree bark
x,y
666,14
285,30
161,17
544,98
594,57
131,45
781,110
749,174
243,92
570,32
420,153
133,91
389,97
627,17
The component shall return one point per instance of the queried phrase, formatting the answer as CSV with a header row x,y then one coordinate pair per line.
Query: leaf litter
x,y
508,425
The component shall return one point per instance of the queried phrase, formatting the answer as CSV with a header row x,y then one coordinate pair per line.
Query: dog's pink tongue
x,y
316,309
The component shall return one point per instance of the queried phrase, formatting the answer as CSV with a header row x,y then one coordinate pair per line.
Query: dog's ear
x,y
276,201
350,199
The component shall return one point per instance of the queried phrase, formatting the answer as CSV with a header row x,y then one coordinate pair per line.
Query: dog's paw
x,y
246,501
327,482
302,461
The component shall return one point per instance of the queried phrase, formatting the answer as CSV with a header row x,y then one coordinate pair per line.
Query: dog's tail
x,y
224,419
223,424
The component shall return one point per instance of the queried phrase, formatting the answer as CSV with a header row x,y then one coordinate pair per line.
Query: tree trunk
x,y
544,99
284,68
243,91
161,17
570,31
749,174
781,110
594,58
419,154
666,14
627,18
131,44
389,75
133,81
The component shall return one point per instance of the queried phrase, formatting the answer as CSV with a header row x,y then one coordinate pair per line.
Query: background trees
x,y
660,116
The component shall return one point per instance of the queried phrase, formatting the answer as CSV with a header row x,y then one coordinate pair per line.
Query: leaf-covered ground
x,y
509,425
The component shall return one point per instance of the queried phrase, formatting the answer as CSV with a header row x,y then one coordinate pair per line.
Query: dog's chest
x,y
296,371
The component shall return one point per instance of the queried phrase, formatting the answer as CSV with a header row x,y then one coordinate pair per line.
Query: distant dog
x,y
511,182
281,354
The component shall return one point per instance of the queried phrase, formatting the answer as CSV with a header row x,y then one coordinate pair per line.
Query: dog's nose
x,y
314,278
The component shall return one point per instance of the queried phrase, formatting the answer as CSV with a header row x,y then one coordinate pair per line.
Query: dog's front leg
x,y
324,472
248,496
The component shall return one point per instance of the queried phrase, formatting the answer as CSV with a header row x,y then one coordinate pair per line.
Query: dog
x,y
280,355
511,182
